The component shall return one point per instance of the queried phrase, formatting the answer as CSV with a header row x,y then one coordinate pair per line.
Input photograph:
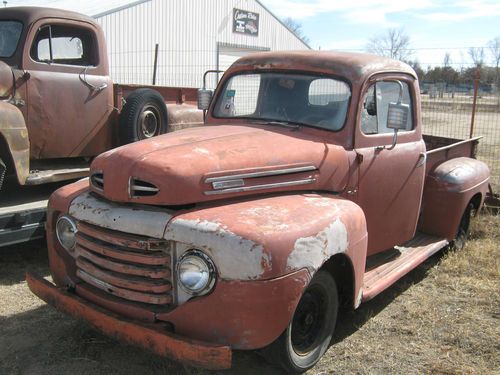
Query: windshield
x,y
292,98
10,32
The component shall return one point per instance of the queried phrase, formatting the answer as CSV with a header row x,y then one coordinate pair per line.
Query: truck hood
x,y
216,162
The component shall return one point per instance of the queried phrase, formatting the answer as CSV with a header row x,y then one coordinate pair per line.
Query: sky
x,y
434,26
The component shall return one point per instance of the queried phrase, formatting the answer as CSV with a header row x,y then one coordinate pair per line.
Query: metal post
x,y
155,64
477,78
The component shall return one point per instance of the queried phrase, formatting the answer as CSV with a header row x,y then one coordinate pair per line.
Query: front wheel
x,y
311,329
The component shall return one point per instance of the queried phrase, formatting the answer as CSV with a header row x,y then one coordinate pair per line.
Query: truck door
x,y
70,95
390,180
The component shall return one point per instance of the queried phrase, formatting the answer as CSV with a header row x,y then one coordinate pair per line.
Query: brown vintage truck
x,y
310,187
58,105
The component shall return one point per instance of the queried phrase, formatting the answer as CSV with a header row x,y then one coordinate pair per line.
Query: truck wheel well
x,y
476,202
5,155
340,268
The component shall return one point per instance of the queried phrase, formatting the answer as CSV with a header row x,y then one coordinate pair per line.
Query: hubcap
x,y
149,123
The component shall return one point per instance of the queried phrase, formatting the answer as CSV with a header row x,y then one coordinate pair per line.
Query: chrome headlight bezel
x,y
202,260
65,222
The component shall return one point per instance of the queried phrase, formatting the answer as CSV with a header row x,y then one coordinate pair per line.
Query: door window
x,y
61,44
376,105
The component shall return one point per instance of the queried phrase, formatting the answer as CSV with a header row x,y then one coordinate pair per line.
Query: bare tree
x,y
447,60
477,56
394,43
494,47
296,28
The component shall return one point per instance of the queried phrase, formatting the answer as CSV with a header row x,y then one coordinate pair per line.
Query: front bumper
x,y
148,336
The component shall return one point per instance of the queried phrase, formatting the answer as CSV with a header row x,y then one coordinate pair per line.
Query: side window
x,y
64,45
376,104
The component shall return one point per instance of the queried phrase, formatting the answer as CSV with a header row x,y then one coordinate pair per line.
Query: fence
x,y
450,110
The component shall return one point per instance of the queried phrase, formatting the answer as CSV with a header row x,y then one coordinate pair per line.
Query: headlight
x,y
196,272
66,231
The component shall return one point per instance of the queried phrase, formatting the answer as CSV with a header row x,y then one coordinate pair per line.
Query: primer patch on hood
x,y
235,257
311,252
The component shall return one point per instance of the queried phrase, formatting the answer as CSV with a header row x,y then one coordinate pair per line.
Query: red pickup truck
x,y
58,106
310,187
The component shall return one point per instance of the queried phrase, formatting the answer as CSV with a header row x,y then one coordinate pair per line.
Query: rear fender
x,y
449,188
14,133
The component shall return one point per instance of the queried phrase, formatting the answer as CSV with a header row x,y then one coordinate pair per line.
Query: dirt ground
x,y
442,318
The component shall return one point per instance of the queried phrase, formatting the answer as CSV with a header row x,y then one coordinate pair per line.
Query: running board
x,y
402,260
55,175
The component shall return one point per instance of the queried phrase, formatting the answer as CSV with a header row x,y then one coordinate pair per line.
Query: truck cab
x,y
59,107
309,187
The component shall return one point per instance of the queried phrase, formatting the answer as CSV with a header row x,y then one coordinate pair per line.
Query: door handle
x,y
422,159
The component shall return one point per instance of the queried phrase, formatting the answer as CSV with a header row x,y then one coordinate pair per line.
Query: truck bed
x,y
440,149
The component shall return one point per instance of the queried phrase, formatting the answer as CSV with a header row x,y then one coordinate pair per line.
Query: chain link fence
x,y
465,109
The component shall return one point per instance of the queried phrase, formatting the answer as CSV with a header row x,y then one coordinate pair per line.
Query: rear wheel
x,y
309,333
144,115
463,229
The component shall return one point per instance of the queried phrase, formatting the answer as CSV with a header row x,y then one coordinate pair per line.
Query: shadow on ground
x,y
43,341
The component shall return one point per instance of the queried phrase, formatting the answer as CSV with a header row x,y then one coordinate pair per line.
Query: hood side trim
x,y
274,172
262,187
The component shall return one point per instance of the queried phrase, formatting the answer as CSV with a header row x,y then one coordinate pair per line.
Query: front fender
x,y
15,134
269,237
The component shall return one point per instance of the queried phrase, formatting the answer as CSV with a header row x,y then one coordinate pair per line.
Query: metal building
x,y
192,35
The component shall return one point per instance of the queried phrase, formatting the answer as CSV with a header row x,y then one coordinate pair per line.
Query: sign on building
x,y
245,22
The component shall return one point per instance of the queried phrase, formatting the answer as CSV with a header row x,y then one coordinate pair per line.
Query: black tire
x,y
144,115
310,331
463,229
3,170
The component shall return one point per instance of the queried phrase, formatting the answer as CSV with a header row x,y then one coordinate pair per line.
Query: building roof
x,y
93,8
99,8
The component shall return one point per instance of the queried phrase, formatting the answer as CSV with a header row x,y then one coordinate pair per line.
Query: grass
x,y
442,318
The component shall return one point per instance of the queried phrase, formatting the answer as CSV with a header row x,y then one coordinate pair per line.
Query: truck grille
x,y
131,267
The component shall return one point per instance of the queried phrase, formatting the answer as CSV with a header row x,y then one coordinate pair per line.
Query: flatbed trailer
x,y
23,213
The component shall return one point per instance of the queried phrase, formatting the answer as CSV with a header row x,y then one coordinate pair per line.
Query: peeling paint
x,y
235,257
311,252
141,221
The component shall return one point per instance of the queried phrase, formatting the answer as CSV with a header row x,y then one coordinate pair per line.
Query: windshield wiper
x,y
286,124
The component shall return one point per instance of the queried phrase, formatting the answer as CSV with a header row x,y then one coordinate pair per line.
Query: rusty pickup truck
x,y
310,187
58,106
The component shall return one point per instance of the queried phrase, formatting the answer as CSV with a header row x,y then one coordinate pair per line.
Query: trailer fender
x,y
449,188
182,116
14,140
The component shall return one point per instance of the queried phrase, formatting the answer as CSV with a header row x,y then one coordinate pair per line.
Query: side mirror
x,y
204,98
397,116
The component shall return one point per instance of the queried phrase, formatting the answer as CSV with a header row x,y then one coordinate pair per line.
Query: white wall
x,y
188,32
